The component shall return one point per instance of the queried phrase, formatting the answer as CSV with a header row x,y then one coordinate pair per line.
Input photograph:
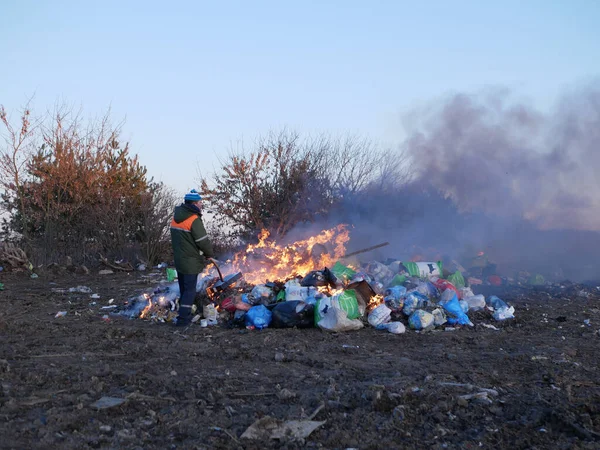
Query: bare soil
x,y
536,377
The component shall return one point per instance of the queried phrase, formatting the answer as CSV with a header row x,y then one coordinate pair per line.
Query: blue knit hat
x,y
193,196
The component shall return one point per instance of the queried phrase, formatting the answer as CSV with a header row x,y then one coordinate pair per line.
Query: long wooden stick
x,y
368,249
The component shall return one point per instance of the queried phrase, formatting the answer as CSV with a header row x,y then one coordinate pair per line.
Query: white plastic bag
x,y
393,327
210,313
476,302
336,319
379,315
504,313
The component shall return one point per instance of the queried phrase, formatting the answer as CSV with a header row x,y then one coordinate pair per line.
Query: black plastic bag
x,y
294,313
319,278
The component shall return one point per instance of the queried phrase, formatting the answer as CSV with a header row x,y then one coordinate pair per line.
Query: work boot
x,y
183,321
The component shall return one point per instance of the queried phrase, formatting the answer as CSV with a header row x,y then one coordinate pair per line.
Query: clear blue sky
x,y
193,77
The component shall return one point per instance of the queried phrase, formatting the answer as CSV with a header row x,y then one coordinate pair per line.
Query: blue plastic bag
x,y
420,319
413,301
496,302
258,317
453,308
395,293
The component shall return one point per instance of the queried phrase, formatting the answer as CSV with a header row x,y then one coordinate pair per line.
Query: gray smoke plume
x,y
491,155
495,176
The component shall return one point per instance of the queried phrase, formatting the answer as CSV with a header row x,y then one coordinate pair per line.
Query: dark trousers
x,y
187,294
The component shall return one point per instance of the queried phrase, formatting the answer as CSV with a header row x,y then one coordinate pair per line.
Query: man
x,y
191,248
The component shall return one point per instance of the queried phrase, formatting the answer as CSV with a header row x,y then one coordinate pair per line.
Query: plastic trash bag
x,y
456,313
444,285
380,315
293,314
239,318
395,292
323,277
342,272
260,292
345,301
210,313
333,318
465,292
258,317
428,289
393,327
423,269
393,304
398,280
439,317
504,313
311,301
294,291
380,272
420,320
457,279
464,306
496,302
501,310
413,301
476,302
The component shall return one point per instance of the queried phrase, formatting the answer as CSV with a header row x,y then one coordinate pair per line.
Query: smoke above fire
x,y
489,175
493,175
508,159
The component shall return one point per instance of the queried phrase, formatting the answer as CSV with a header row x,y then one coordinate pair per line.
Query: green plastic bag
x,y
342,272
457,279
398,280
537,280
280,296
423,269
346,301
171,274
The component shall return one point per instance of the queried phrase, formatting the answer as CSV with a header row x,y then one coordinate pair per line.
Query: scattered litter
x,y
81,289
60,314
490,326
111,301
33,275
95,296
108,402
393,327
480,397
270,428
105,272
109,307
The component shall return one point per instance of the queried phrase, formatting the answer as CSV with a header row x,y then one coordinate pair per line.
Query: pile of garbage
x,y
392,297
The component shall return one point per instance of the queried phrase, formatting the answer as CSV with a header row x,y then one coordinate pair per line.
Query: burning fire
x,y
268,260
375,301
147,309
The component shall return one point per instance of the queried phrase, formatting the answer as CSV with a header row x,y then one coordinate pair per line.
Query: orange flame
x,y
375,301
146,310
268,260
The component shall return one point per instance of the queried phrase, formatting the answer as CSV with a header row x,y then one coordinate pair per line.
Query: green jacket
x,y
191,245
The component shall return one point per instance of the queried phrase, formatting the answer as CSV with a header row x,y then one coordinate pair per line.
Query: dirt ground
x,y
536,378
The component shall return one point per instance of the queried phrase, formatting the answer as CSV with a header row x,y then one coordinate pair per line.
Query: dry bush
x,y
287,180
